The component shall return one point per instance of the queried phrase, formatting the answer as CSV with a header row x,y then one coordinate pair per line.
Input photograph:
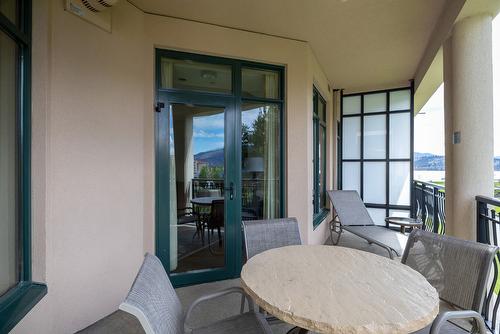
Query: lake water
x,y
438,175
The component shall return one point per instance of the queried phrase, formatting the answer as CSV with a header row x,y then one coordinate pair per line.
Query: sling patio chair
x,y
352,216
154,302
459,270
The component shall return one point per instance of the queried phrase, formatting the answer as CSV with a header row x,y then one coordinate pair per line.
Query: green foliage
x,y
211,172
254,137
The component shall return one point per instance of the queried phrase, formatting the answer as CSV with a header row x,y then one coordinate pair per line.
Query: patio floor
x,y
229,305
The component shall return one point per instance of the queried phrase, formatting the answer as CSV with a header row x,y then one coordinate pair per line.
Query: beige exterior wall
x,y
93,148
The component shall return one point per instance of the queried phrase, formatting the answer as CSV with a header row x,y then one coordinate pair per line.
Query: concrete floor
x,y
229,305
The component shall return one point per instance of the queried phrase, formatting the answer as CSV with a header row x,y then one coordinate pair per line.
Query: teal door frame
x,y
232,174
232,102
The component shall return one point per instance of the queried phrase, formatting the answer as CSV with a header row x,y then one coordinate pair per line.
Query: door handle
x,y
231,190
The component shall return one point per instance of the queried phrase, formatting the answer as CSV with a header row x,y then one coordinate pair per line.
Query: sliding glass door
x,y
219,149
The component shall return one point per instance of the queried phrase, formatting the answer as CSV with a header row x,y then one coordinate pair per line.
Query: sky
x,y
208,131
429,123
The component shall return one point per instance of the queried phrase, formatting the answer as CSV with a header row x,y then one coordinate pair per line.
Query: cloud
x,y
199,133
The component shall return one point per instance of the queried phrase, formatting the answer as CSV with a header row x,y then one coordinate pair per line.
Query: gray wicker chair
x,y
154,302
459,270
352,216
261,235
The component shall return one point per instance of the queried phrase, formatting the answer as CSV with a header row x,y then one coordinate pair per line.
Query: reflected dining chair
x,y
459,271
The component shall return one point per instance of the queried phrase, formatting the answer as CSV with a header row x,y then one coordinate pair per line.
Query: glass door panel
x,y
195,192
197,186
261,168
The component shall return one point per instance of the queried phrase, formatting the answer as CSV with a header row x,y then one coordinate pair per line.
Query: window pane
x,y
351,105
9,257
322,109
191,75
322,171
375,102
378,215
399,136
351,141
399,183
374,182
10,9
260,83
351,176
399,100
261,149
374,137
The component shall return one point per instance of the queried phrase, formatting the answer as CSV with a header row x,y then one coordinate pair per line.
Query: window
x,y
319,158
18,294
377,150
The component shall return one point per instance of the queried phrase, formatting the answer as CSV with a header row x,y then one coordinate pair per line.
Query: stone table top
x,y
332,289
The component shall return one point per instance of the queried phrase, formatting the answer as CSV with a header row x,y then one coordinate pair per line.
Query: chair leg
x,y
332,231
220,238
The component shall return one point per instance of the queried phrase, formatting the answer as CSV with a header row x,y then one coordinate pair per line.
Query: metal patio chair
x,y
459,270
352,216
262,235
154,302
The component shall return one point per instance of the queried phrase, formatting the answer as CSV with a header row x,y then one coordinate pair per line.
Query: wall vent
x,y
97,12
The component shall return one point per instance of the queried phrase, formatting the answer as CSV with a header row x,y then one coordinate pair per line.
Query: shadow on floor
x,y
230,305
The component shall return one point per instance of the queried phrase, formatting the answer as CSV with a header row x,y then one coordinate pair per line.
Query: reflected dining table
x,y
332,289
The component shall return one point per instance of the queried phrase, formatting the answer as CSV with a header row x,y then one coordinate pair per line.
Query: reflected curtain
x,y
271,157
167,73
173,196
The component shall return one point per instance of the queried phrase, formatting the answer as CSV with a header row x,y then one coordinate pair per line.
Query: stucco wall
x,y
93,148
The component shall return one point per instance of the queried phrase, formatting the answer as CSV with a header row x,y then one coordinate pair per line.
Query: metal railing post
x,y
435,208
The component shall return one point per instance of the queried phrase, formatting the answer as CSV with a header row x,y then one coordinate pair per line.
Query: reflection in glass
x,y
260,83
351,138
374,182
9,176
375,102
196,136
195,76
351,105
10,8
374,137
399,100
260,151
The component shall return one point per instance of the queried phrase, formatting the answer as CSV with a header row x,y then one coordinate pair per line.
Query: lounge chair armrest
x,y
443,317
212,296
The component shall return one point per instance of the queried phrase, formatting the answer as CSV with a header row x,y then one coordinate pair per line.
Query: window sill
x,y
319,217
17,302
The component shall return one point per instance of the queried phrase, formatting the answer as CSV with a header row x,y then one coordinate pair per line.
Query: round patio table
x,y
205,201
332,289
404,222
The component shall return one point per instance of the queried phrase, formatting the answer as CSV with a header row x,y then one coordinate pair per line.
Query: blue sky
x,y
429,124
208,131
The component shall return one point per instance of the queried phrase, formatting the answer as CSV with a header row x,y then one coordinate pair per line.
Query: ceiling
x,y
360,44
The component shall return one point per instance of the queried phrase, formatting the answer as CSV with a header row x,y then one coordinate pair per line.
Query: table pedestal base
x,y
297,330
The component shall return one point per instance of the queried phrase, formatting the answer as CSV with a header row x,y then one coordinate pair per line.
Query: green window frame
x,y
16,302
320,205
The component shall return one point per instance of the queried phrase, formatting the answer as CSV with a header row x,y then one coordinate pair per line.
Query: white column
x,y
468,95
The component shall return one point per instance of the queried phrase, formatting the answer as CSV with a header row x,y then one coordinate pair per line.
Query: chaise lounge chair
x,y
352,216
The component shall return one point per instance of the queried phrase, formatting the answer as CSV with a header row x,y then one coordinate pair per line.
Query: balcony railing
x,y
429,201
488,231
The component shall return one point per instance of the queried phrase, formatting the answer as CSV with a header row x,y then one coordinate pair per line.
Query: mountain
x,y
429,161
213,157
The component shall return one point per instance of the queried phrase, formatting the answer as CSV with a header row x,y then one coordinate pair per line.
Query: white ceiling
x,y
360,44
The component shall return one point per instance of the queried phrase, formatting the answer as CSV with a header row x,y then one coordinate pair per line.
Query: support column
x,y
468,95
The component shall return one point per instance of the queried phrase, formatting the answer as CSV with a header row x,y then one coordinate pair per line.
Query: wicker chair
x,y
459,270
154,302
